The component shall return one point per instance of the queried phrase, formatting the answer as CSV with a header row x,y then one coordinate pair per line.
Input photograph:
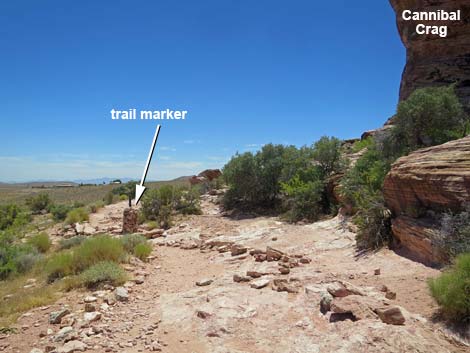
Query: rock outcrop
x,y
205,176
430,59
435,178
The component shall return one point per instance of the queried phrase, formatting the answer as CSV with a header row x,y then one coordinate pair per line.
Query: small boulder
x,y
325,302
273,254
391,316
337,289
204,282
56,316
239,278
73,346
93,316
121,294
238,249
260,283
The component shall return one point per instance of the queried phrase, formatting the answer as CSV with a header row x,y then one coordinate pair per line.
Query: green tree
x,y
430,116
327,153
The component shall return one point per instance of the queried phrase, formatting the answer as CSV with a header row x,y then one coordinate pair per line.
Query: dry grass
x,y
11,193
23,299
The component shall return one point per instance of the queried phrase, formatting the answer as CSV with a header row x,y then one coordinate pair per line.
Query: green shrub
x,y
13,216
327,153
59,265
94,207
97,249
41,242
25,261
71,242
454,235
59,212
152,225
142,250
40,202
77,215
303,199
451,289
430,116
361,144
109,198
129,241
123,197
187,201
103,272
158,205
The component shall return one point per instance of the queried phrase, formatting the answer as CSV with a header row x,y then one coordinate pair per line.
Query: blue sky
x,y
249,72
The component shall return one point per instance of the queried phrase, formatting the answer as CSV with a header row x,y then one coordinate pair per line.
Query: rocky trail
x,y
219,284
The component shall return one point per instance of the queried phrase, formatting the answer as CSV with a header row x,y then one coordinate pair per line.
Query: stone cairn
x,y
129,221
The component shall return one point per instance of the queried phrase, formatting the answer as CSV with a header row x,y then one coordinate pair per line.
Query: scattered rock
x,y
237,249
90,299
281,285
392,315
260,283
273,254
36,350
204,282
325,302
56,316
72,346
239,278
377,271
93,316
305,260
121,294
391,295
260,257
284,270
355,305
89,307
203,314
64,333
337,289
254,274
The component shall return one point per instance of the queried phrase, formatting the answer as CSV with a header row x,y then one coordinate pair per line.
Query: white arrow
x,y
139,189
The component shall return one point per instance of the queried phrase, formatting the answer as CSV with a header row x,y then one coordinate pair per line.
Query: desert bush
x,y
94,207
454,235
187,201
59,212
361,188
129,241
41,242
97,249
303,198
142,250
361,144
103,272
451,289
40,202
59,265
13,216
159,204
152,225
109,198
25,261
71,242
430,116
77,215
327,153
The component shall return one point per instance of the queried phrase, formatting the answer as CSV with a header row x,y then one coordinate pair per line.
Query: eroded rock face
x,y
430,59
435,178
205,176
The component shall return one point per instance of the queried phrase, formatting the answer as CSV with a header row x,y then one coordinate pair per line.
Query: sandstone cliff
x,y
430,59
435,178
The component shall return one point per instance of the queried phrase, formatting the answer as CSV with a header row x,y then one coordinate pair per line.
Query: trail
x,y
168,312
